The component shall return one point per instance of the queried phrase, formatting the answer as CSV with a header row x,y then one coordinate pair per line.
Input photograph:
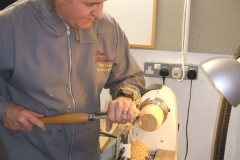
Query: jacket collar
x,y
86,35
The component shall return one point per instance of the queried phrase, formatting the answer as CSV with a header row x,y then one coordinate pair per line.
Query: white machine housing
x,y
166,136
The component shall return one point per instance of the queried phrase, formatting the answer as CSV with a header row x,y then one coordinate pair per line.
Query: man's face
x,y
79,13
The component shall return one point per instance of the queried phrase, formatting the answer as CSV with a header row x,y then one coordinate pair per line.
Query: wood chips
x,y
139,151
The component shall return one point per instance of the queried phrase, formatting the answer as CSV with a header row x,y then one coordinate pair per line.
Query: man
x,y
56,56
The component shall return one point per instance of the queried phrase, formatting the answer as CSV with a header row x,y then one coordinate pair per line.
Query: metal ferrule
x,y
91,117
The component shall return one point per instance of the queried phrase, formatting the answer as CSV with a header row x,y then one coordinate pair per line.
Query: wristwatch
x,y
125,93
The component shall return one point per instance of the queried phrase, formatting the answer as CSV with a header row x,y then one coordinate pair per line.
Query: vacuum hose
x,y
223,122
222,128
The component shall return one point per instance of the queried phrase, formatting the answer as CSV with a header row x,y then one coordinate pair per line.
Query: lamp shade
x,y
225,74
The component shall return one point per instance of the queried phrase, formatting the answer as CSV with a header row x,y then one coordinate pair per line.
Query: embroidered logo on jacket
x,y
104,62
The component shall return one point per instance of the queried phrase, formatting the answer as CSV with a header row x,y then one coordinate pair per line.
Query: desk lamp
x,y
225,75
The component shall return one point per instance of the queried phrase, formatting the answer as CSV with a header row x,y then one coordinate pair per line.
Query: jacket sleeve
x,y
126,73
6,62
4,102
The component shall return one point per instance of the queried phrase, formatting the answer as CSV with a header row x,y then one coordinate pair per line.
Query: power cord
x,y
164,72
122,150
192,74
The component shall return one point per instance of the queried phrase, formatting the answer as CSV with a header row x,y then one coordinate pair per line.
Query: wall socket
x,y
188,67
152,69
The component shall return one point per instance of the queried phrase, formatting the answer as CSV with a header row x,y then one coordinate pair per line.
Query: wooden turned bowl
x,y
151,117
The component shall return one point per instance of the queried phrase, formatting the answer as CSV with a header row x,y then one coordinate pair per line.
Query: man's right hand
x,y
19,119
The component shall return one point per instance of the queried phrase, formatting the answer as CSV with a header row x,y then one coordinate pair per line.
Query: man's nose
x,y
97,12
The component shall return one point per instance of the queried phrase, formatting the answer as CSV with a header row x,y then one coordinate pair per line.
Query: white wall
x,y
204,107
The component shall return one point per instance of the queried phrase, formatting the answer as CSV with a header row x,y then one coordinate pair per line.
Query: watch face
x,y
128,92
125,93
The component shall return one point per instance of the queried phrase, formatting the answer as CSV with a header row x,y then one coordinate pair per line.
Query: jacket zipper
x,y
70,86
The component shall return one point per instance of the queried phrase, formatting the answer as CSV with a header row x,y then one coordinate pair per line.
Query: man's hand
x,y
121,110
19,119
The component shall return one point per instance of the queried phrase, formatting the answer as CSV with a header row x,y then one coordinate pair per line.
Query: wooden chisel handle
x,y
71,118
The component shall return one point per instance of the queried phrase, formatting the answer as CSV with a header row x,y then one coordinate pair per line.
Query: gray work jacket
x,y
44,68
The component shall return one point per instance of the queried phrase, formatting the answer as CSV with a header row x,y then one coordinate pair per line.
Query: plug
x,y
192,74
164,72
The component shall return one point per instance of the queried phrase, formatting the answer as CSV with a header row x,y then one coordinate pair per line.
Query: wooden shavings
x,y
139,151
128,126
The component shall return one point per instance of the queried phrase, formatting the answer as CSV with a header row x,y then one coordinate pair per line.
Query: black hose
x,y
222,129
223,122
